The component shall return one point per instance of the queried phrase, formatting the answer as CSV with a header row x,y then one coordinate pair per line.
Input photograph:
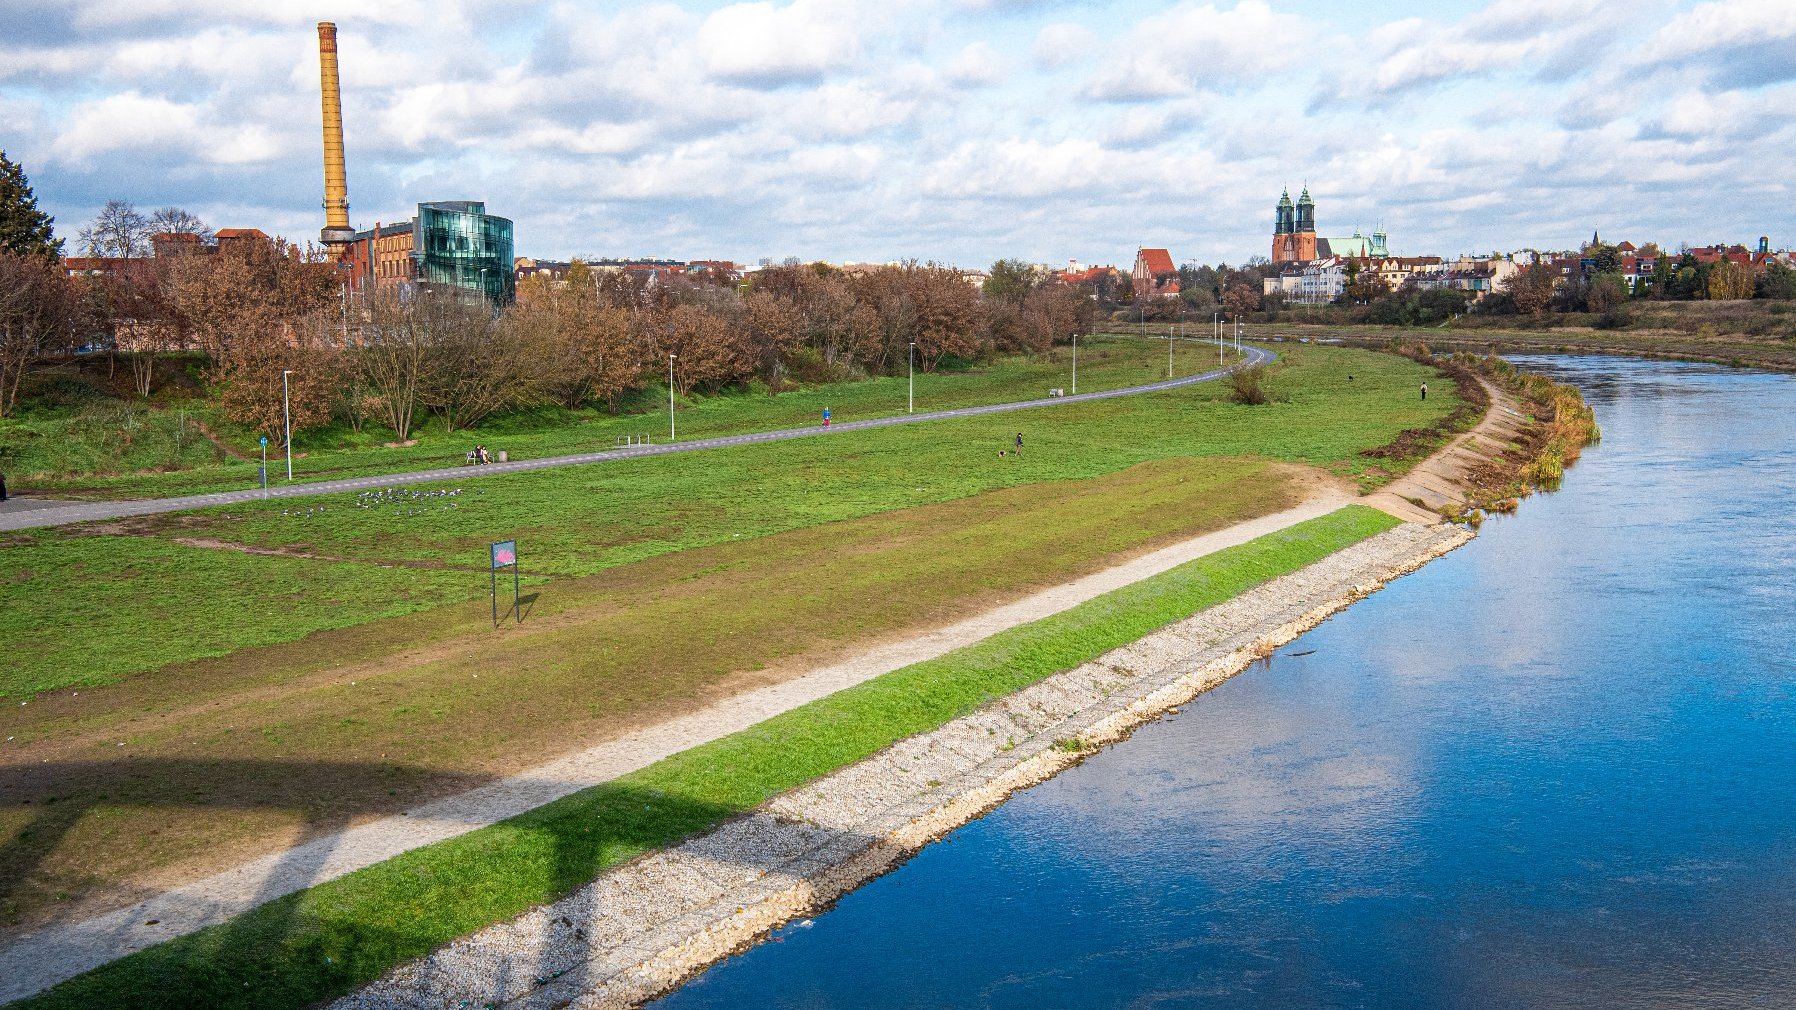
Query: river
x,y
1556,768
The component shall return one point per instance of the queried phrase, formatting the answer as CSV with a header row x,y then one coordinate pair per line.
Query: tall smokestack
x,y
337,232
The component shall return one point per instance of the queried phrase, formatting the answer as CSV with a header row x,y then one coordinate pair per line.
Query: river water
x,y
1556,768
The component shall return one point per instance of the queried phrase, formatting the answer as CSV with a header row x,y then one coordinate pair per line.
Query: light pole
x,y
913,377
287,419
1169,352
670,391
1075,362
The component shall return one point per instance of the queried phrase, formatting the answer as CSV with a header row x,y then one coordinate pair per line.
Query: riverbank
x,y
638,931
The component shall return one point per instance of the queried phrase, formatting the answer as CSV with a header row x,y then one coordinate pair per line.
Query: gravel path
x,y
63,514
639,930
42,959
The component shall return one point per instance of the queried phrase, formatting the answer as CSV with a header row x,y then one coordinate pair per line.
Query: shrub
x,y
1247,386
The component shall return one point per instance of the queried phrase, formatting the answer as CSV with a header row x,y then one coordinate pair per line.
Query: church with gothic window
x,y
1294,235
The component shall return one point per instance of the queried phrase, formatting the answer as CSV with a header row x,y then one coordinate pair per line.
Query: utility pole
x,y
1075,362
670,394
913,377
1169,352
287,419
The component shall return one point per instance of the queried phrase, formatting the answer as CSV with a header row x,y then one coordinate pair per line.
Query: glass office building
x,y
457,243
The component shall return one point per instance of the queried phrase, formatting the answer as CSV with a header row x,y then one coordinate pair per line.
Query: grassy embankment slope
x,y
72,440
250,717
320,943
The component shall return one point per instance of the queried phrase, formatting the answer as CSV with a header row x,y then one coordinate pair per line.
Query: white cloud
x,y
977,66
1062,44
767,44
1201,47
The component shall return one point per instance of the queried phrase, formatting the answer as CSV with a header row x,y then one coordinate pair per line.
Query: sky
x,y
957,131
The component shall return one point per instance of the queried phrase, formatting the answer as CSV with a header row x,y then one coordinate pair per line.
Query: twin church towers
x,y
1294,235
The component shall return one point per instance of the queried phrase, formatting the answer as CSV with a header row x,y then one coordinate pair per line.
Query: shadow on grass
x,y
299,948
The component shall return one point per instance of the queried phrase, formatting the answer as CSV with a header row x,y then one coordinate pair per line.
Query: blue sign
x,y
264,441
505,553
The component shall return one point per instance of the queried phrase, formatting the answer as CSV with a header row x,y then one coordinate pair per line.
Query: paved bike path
x,y
63,514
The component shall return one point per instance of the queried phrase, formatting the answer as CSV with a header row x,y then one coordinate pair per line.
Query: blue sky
x,y
953,130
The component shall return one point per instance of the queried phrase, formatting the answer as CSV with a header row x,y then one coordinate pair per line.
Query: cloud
x,y
1200,47
1062,44
1742,43
766,45
976,66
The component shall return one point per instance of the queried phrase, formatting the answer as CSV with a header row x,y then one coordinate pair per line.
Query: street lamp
x,y
287,419
913,377
670,392
1075,362
1169,352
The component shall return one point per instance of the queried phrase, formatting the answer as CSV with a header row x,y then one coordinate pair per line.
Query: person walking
x,y
1019,443
826,417
2,487
1424,390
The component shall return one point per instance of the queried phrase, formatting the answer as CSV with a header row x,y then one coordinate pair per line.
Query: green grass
x,y
586,520
580,521
323,942
59,454
65,597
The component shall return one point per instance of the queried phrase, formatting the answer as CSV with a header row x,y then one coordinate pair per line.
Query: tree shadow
x,y
298,948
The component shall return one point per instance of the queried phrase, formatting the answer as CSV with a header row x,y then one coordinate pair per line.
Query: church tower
x,y
1306,226
1284,227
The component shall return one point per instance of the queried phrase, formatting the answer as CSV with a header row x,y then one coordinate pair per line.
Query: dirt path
x,y
1436,480
41,959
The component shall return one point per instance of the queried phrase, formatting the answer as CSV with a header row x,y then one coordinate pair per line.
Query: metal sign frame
x,y
504,554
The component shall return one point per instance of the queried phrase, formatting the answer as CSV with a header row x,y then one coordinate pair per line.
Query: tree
x,y
947,313
118,231
1241,298
1607,290
23,228
1729,280
709,351
1532,288
1011,279
480,366
395,352
1778,281
37,315
175,221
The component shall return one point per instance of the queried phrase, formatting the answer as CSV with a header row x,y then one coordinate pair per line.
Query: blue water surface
x,y
1556,768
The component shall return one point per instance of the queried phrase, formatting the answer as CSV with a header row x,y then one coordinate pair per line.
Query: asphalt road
x,y
63,513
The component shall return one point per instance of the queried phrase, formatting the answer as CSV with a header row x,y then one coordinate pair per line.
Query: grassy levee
x,y
582,521
321,943
87,452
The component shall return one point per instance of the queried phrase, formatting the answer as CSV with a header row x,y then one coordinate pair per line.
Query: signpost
x,y
263,476
505,555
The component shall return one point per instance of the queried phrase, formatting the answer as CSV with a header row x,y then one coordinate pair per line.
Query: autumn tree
x,y
1240,298
395,352
946,313
24,229
709,350
1729,280
1531,288
1606,291
480,365
37,316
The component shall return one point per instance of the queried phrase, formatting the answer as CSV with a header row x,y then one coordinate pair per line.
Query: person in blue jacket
x,y
826,417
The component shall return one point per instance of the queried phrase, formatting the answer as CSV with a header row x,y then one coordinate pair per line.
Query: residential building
x,y
450,243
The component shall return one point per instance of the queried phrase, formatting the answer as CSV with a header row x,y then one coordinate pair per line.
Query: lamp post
x,y
670,394
913,377
287,419
1075,362
1169,352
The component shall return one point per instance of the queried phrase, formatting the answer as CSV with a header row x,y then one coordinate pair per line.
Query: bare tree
x,y
175,221
480,366
118,231
397,353
37,315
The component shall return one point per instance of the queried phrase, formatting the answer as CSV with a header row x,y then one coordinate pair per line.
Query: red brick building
x,y
1155,275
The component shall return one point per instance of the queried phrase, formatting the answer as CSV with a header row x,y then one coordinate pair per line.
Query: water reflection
x,y
1553,769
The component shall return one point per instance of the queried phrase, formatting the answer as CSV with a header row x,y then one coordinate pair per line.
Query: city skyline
x,y
959,132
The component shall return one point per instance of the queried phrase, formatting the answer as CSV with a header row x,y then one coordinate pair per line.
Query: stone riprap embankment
x,y
637,931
